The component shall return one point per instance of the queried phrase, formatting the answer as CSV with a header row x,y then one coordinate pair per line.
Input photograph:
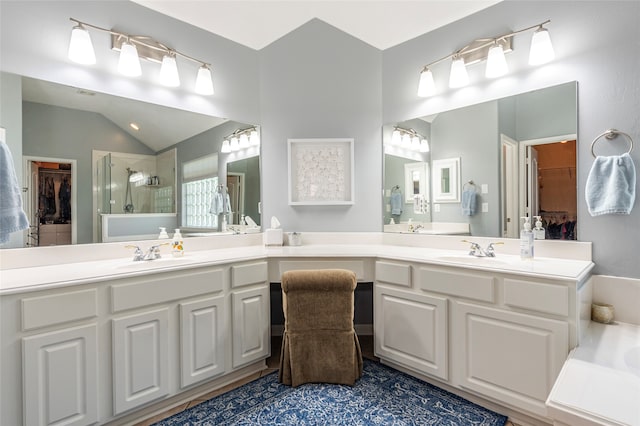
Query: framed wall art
x,y
321,171
446,180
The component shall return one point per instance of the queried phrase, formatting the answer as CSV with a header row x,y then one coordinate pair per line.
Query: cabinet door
x,y
512,357
60,377
202,331
411,329
250,325
140,363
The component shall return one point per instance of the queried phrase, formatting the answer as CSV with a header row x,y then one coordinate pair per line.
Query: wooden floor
x,y
366,343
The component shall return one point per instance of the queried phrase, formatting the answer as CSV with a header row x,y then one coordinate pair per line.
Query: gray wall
x,y
472,134
318,82
50,131
597,43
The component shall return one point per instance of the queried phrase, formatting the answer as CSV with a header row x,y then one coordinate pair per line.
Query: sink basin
x,y
472,260
163,262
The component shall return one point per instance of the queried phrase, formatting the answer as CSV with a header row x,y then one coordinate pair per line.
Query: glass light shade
x,y
406,140
426,87
458,77
235,144
424,145
226,147
204,82
80,46
169,72
496,62
415,143
129,62
396,137
541,48
244,140
253,138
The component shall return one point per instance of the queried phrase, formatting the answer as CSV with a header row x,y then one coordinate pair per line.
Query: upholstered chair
x,y
319,344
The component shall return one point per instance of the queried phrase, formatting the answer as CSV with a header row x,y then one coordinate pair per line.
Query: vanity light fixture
x,y
132,48
409,139
492,50
240,139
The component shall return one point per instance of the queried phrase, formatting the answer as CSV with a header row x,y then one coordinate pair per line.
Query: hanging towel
x,y
611,185
468,203
221,203
396,203
12,217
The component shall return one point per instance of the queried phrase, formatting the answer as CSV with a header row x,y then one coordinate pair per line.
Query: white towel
x,y
611,185
468,203
221,203
12,217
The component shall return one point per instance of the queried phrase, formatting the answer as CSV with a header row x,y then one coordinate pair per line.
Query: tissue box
x,y
273,237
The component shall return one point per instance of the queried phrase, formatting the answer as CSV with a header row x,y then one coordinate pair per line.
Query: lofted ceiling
x,y
258,23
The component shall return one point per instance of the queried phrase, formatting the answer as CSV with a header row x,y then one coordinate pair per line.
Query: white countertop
x,y
42,277
600,382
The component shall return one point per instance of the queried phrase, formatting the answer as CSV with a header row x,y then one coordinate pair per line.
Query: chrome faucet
x,y
478,251
152,253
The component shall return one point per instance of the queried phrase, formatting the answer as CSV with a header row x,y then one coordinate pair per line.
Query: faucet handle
x,y
491,249
137,254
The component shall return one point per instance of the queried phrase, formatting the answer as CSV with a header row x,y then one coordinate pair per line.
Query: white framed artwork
x,y
446,180
321,171
416,181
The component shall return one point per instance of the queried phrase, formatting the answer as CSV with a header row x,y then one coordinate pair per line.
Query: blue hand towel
x,y
396,203
12,217
468,203
611,185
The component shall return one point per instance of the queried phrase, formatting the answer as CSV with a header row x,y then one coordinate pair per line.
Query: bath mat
x,y
383,396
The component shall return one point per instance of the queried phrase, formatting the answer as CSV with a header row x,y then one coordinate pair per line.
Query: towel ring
x,y
612,134
468,183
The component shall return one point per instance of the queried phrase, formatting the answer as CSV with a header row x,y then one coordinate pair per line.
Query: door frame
x,y
523,161
509,203
27,161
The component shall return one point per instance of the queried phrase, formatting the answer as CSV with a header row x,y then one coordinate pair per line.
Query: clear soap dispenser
x,y
526,240
538,231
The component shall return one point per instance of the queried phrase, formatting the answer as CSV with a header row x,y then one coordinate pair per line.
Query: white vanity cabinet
x,y
155,315
250,312
59,358
500,336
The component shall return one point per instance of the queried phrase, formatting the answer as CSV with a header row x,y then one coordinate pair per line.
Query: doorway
x,y
50,201
235,186
550,185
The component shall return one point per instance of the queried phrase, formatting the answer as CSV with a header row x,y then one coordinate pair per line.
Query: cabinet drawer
x,y
393,273
165,288
462,284
252,273
44,311
541,297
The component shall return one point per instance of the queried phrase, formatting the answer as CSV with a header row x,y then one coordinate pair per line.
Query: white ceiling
x,y
257,23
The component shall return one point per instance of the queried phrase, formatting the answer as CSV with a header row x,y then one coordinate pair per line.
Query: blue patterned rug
x,y
382,396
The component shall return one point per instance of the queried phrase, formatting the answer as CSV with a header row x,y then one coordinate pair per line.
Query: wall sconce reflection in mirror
x,y
131,49
492,50
240,139
409,139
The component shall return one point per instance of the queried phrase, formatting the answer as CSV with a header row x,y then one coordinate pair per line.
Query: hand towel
x,y
611,185
12,217
220,204
396,203
468,203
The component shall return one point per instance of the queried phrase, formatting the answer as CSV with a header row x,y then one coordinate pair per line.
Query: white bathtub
x,y
600,382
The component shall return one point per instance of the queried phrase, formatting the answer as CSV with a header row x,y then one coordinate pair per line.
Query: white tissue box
x,y
273,237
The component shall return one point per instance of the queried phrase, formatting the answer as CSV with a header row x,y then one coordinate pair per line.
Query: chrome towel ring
x,y
612,134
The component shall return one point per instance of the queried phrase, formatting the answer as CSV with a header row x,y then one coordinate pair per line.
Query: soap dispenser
x,y
163,234
177,247
526,240
538,231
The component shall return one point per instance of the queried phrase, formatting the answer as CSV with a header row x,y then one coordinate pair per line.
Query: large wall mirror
x,y
99,168
491,164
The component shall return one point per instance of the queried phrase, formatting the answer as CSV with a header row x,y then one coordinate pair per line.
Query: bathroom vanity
x,y
105,339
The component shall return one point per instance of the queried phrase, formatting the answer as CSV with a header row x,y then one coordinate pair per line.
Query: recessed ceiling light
x,y
134,126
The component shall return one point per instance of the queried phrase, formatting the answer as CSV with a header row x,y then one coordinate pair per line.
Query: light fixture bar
x,y
409,139
240,139
148,48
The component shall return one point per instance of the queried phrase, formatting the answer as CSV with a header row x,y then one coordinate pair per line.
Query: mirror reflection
x,y
490,164
102,168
